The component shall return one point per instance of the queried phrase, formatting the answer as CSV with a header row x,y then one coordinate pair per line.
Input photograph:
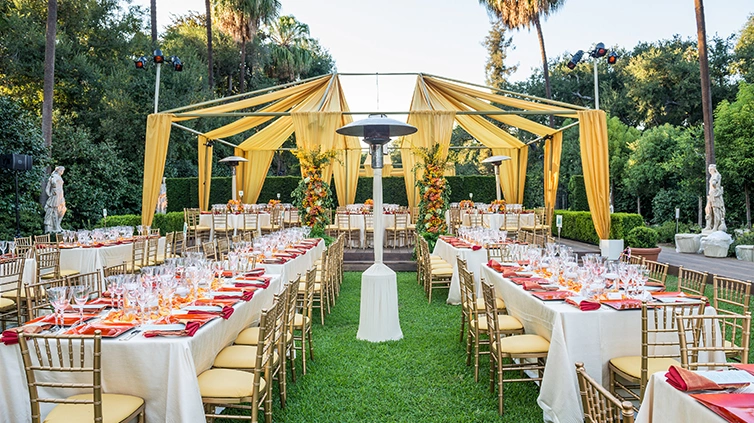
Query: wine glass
x,y
2,247
80,294
12,248
59,300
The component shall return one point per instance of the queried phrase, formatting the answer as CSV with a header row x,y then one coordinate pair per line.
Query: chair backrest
x,y
600,406
220,221
194,249
462,270
153,246
93,280
62,354
139,253
223,247
191,217
250,221
414,215
368,220
265,349
169,249
308,300
48,260
116,269
476,219
466,278
154,232
658,272
401,220
490,308
42,239
37,301
691,281
498,252
11,280
209,250
344,221
23,245
731,296
631,259
291,301
707,334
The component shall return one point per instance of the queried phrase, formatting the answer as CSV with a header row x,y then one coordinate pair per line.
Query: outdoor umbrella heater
x,y
378,319
496,161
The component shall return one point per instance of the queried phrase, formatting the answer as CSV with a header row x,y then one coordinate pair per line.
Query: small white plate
x,y
653,288
508,264
174,326
203,308
226,293
525,274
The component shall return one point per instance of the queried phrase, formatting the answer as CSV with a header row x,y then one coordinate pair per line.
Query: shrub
x,y
745,239
577,193
578,225
169,222
666,231
642,237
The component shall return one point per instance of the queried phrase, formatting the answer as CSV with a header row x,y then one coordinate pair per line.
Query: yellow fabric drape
x,y
346,169
511,183
205,172
316,130
155,154
553,150
258,165
433,127
596,166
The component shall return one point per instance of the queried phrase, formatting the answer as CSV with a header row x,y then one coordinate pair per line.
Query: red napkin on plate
x,y
508,273
189,330
255,272
9,337
246,296
476,247
261,283
584,305
226,312
686,380
531,285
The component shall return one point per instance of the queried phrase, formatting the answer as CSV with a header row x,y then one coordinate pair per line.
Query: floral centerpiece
x,y
498,206
272,203
434,191
234,206
369,202
466,204
313,197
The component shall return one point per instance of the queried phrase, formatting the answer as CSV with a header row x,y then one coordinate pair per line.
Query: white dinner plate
x,y
226,293
203,308
525,274
173,326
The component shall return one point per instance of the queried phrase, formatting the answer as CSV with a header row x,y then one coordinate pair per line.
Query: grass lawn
x,y
421,378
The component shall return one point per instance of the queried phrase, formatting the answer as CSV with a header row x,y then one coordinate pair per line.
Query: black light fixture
x,y
612,58
599,51
177,64
158,56
575,59
141,62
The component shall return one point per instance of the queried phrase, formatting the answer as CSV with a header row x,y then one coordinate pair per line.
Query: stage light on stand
x,y
612,58
177,64
141,63
575,59
158,56
599,51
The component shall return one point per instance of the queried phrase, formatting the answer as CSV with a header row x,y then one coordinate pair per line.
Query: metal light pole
x,y
496,161
233,162
598,51
158,58
378,320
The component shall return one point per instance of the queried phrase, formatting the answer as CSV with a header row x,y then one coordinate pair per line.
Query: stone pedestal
x,y
716,244
611,248
745,252
688,243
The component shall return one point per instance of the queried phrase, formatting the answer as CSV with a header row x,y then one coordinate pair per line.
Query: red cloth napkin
x,y
255,272
686,380
9,337
494,264
745,367
508,273
226,312
261,283
189,330
246,296
732,407
476,247
584,305
227,274
531,285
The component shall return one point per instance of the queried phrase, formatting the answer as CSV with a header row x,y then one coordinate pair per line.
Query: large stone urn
x,y
688,243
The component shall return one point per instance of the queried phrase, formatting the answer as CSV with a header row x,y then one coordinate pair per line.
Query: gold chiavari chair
x,y
194,249
320,295
289,352
660,348
93,280
179,243
116,269
23,245
399,230
691,281
498,252
251,222
223,248
658,272
731,296
153,247
138,255
276,221
437,274
209,250
36,300
703,335
524,352
455,219
599,405
477,334
167,250
302,322
292,219
221,225
631,259
154,232
42,239
248,236
196,232
231,388
12,289
67,355
476,220
345,228
368,229
48,262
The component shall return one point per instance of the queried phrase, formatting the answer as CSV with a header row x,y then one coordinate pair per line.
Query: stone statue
x,y
715,209
162,200
55,207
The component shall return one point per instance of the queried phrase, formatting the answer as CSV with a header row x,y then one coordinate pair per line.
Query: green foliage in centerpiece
x,y
434,192
313,196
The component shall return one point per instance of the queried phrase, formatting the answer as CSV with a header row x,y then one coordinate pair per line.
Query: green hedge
x,y
577,200
170,222
183,192
578,225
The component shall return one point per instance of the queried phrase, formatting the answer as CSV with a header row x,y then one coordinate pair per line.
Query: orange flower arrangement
x,y
369,202
313,195
498,206
434,190
234,206
466,204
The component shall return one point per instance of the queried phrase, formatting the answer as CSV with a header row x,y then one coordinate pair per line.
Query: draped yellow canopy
x,y
314,108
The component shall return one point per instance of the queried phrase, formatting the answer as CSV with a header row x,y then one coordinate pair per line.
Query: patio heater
x,y
496,161
378,319
233,162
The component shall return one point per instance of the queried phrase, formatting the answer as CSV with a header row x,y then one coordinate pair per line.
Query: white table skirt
x,y
474,262
378,317
161,370
359,221
665,404
235,221
592,337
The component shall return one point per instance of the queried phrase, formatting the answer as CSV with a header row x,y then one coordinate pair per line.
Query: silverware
x,y
131,335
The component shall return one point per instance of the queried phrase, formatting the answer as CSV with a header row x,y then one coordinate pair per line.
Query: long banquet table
x,y
665,404
235,220
161,370
592,337
474,261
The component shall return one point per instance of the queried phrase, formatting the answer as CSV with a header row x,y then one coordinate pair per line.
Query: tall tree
x,y
745,51
517,14
153,21
497,72
290,52
49,70
211,76
242,18
709,135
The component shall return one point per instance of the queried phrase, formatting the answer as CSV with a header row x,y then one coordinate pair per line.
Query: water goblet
x,y
2,247
11,248
80,294
59,300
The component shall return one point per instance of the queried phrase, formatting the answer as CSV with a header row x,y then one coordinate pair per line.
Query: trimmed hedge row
x,y
169,222
183,192
578,225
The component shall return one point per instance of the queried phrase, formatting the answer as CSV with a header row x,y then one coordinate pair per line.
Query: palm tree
x,y
49,71
709,136
242,18
291,54
211,79
517,14
153,21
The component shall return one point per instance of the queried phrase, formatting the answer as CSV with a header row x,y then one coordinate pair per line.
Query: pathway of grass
x,y
421,378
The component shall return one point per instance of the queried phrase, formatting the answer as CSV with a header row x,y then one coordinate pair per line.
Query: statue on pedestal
x,y
55,206
715,209
162,199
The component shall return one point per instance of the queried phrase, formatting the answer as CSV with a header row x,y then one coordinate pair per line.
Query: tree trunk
x,y
211,78
153,21
748,206
700,213
242,79
638,205
49,72
545,68
709,136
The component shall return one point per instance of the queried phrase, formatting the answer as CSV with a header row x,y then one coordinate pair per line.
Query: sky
x,y
444,37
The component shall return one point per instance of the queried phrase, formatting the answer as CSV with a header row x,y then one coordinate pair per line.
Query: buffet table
x,y
592,337
474,261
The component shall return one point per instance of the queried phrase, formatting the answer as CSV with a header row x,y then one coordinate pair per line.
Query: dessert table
x,y
592,337
665,404
474,262
163,371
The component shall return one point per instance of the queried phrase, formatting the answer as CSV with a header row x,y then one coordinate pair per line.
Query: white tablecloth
x,y
161,370
378,317
665,404
299,265
495,220
474,261
359,221
235,221
592,337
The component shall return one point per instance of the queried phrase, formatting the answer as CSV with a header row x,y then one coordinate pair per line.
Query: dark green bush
x,y
745,239
642,237
169,222
577,194
578,225
666,231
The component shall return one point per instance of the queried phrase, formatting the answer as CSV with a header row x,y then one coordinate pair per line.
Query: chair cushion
x,y
302,287
238,357
63,273
524,344
115,409
442,271
6,302
225,383
298,320
248,336
201,228
481,307
631,365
